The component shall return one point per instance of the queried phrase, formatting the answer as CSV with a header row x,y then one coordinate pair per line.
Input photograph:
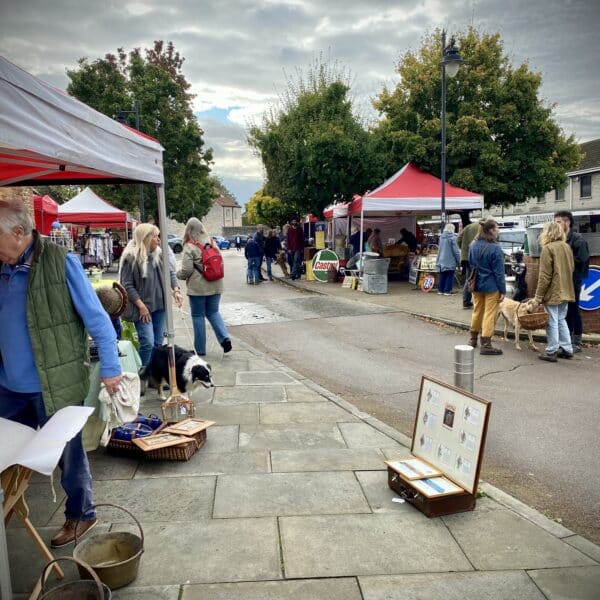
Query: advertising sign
x,y
322,262
590,290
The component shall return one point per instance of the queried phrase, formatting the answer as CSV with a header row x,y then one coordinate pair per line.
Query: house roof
x,y
227,201
592,155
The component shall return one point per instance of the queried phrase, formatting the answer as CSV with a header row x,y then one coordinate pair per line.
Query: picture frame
x,y
189,426
161,440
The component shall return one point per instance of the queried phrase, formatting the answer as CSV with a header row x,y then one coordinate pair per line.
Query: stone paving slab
x,y
360,435
500,539
308,589
276,494
224,377
290,437
300,393
327,459
249,395
155,592
258,364
222,438
379,495
346,545
585,546
152,500
264,378
304,412
41,505
211,550
505,585
576,583
106,466
229,415
208,463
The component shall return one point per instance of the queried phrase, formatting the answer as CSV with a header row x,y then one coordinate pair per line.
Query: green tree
x,y
314,149
154,79
265,209
502,140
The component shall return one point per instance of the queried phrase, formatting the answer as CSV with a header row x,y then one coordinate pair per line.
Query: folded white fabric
x,y
120,407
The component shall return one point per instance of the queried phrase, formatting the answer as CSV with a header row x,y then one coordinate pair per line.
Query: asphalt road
x,y
543,445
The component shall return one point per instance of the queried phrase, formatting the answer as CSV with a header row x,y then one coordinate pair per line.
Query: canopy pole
x,y
362,216
164,245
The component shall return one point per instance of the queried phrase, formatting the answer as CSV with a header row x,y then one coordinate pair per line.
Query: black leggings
x,y
573,316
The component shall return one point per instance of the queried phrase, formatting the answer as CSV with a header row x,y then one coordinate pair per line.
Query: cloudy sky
x,y
238,51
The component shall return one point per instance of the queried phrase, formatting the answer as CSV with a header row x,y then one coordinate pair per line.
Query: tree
x,y
502,141
154,79
265,209
314,149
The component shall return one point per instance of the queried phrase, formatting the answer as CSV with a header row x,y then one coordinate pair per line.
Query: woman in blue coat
x,y
448,260
487,257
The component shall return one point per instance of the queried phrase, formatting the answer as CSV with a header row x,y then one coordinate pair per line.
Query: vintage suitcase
x,y
442,475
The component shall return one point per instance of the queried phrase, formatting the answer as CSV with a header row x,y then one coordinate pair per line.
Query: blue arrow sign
x,y
590,290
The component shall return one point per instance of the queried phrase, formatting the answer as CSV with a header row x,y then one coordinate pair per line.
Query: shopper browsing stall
x,y
448,259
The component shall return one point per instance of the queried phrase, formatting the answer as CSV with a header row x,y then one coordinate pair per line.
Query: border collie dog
x,y
190,370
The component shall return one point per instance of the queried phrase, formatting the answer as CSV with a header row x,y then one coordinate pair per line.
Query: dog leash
x,y
187,329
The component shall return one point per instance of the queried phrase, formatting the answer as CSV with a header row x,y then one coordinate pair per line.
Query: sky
x,y
239,52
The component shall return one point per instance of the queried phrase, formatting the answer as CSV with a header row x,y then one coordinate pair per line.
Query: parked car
x,y
243,239
175,242
221,242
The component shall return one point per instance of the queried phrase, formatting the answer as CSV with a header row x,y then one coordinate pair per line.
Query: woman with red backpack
x,y
202,269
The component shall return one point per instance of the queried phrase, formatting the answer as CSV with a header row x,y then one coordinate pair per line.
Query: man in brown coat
x,y
555,289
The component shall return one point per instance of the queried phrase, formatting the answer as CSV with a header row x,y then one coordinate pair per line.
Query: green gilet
x,y
58,338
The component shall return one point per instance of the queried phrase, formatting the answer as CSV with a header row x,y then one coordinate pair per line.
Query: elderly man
x,y
46,306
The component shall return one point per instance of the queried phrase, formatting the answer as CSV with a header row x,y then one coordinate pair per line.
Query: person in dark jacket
x,y
408,238
465,237
260,239
355,239
295,246
272,248
581,257
486,256
253,254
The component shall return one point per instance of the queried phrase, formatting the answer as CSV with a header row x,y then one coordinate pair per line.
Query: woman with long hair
x,y
487,257
555,289
204,295
140,273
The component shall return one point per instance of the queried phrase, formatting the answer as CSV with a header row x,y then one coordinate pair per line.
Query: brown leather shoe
x,y
67,534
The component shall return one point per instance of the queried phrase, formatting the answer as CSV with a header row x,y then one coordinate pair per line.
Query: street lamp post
x,y
451,61
122,118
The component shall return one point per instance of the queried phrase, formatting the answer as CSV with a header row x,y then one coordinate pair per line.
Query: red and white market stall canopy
x,y
48,137
336,211
87,208
411,190
45,211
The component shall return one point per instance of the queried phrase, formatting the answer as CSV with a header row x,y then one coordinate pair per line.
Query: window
x,y
559,195
585,186
541,199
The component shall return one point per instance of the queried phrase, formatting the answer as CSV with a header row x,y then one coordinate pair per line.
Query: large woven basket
x,y
532,321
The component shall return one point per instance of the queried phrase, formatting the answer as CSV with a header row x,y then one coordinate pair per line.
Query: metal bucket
x,y
115,556
85,589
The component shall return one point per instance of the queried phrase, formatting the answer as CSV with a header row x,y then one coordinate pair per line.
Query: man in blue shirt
x,y
28,381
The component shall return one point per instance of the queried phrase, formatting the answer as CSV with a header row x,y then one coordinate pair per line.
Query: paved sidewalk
x,y
289,499
403,296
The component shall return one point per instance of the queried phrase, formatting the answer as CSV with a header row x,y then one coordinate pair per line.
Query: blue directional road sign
x,y
590,290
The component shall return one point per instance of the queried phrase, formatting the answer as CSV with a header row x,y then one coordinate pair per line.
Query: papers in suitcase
x,y
442,475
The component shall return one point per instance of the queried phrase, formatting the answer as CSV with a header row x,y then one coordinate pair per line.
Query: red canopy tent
x,y
87,208
45,212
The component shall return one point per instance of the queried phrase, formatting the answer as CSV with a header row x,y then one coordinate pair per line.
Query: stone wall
x,y
590,318
25,194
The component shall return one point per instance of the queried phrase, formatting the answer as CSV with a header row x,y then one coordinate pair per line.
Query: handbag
x,y
472,278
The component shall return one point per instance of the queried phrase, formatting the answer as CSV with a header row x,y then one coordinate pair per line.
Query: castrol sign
x,y
322,262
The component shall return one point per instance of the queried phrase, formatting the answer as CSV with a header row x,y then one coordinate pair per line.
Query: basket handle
x,y
113,506
84,565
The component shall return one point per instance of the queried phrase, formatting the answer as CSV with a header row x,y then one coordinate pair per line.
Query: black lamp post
x,y
451,61
121,116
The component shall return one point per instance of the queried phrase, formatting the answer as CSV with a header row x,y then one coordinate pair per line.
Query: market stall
x,y
45,212
98,245
397,203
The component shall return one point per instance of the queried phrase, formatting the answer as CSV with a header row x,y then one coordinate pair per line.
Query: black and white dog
x,y
190,370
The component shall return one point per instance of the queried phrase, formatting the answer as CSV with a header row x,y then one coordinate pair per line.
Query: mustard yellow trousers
x,y
485,310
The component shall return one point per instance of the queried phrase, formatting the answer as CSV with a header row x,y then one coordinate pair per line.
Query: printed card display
x,y
436,486
413,468
450,428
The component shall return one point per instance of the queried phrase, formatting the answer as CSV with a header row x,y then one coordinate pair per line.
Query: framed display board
x,y
450,430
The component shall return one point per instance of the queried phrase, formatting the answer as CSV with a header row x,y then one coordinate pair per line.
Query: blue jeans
x,y
270,260
446,281
206,307
150,335
557,330
254,269
296,264
76,479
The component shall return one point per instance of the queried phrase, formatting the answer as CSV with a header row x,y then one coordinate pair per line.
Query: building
x,y
224,212
581,194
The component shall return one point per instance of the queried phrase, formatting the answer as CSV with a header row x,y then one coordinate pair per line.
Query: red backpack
x,y
212,262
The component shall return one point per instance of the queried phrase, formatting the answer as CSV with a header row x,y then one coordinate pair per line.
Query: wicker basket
x,y
181,452
532,321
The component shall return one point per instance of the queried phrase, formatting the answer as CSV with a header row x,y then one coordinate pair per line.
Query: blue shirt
x,y
17,365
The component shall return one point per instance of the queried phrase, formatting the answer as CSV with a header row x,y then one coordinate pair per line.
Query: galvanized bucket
x,y
115,556
87,589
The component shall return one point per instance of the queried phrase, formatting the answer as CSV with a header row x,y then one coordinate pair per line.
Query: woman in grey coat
x,y
448,259
204,296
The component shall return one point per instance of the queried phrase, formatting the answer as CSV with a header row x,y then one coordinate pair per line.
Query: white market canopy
x,y
87,208
411,190
48,137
